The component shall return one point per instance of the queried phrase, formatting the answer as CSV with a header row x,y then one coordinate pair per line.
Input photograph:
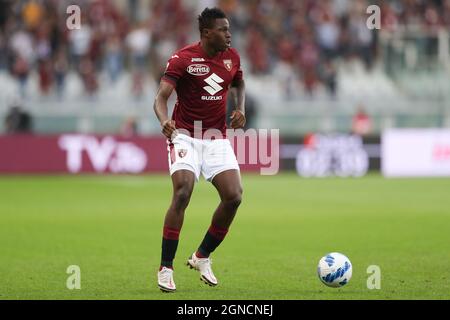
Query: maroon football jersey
x,y
202,85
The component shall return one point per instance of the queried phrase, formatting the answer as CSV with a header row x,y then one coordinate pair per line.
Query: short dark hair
x,y
208,16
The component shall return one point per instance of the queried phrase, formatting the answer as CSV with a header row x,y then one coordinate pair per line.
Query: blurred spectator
x,y
60,68
45,76
20,70
114,57
80,42
89,76
138,42
361,122
308,62
129,128
361,37
133,10
309,141
389,18
327,30
328,76
4,11
287,79
18,120
257,51
21,45
32,14
445,12
3,52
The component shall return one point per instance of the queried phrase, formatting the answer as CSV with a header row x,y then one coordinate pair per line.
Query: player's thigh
x,y
183,183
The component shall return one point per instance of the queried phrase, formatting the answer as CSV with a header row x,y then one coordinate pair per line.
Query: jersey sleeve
x,y
174,70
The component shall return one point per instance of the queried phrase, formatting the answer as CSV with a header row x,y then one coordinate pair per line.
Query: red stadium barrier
x,y
78,153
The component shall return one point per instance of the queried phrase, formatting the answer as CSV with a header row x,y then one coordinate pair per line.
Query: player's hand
x,y
237,119
168,128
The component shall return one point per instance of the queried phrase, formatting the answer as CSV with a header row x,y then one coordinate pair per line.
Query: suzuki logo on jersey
x,y
198,69
214,87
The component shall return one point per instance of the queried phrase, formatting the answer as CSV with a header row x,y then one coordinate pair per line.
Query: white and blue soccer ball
x,y
334,270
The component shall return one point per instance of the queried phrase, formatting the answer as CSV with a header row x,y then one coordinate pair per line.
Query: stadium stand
x,y
308,64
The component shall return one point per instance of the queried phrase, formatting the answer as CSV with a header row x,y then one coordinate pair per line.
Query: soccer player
x,y
201,75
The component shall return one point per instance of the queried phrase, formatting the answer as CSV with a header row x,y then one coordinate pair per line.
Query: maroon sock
x,y
211,241
169,246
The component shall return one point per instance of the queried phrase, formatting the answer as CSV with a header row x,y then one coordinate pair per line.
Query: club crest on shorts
x,y
182,153
228,64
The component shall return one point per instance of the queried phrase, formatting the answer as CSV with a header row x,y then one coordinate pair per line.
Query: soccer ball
x,y
334,270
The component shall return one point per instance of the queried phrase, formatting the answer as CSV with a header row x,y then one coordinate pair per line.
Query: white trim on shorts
x,y
183,166
222,170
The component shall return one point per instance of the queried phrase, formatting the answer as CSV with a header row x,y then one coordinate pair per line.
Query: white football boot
x,y
165,280
204,266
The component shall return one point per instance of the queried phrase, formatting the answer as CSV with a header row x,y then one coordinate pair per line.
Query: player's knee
x,y
181,197
234,199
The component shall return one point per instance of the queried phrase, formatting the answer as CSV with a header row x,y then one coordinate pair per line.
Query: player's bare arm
x,y
160,107
238,115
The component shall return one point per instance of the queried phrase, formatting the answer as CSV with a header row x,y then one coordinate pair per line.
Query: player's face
x,y
221,35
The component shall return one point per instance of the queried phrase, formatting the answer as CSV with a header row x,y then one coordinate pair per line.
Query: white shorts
x,y
208,157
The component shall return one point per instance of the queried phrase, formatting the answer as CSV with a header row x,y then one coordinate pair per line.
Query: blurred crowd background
x,y
309,65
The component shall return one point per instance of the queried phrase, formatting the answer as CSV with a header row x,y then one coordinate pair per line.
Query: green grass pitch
x,y
110,226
